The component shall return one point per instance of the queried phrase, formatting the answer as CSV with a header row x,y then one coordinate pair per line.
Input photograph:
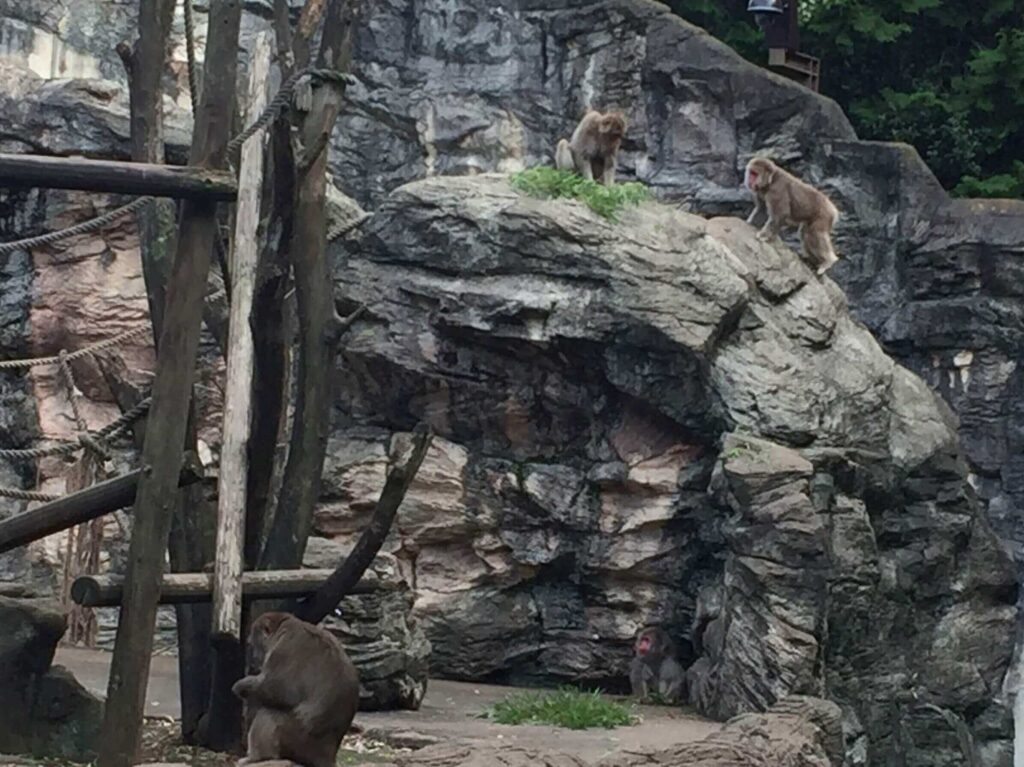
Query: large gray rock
x,y
47,713
629,412
480,87
379,632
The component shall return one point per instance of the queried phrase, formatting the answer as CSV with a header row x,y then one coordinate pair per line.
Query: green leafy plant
x,y
566,707
606,201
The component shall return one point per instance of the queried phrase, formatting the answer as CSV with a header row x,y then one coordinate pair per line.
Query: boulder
x,y
47,712
636,415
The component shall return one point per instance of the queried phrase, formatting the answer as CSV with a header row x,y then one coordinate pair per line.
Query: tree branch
x,y
342,580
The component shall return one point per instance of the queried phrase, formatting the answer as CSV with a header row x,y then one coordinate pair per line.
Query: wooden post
x,y
189,546
90,503
172,386
224,715
231,487
319,327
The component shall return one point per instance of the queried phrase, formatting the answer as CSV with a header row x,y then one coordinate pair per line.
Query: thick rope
x,y
111,431
64,448
68,379
86,227
283,99
26,495
190,53
97,347
346,226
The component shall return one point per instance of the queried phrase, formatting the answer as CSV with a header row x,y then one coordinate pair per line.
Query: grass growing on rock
x,y
606,201
566,707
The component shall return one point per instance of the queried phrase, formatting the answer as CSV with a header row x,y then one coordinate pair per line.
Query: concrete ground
x,y
450,711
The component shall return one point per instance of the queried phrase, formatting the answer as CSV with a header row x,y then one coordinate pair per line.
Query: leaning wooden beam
x,y
121,734
74,509
340,582
231,488
194,588
26,170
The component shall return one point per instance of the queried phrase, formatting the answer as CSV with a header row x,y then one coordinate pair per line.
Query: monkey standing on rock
x,y
655,668
593,149
302,702
792,202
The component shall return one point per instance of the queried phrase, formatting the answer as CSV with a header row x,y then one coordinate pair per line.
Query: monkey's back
x,y
324,676
806,201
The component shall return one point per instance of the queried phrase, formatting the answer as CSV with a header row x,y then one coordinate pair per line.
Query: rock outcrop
x,y
633,414
46,712
578,504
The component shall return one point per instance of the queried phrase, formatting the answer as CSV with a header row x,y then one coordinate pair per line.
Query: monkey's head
x,y
648,642
262,629
612,127
760,174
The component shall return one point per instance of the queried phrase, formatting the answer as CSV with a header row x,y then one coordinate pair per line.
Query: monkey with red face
x,y
789,201
302,701
655,668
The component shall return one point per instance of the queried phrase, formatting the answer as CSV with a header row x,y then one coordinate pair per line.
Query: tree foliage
x,y
943,75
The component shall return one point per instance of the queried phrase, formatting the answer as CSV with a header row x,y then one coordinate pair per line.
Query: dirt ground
x,y
451,711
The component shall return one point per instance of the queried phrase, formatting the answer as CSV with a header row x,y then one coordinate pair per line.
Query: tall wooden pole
x,y
224,715
231,486
190,548
172,387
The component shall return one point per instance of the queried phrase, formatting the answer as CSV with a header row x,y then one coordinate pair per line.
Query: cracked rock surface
x,y
638,416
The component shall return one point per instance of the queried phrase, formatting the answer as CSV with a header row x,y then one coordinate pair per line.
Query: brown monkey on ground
x,y
593,149
792,202
303,700
655,668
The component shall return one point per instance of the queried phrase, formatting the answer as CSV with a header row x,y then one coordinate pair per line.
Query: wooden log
x,y
189,547
231,487
120,737
195,588
341,582
90,503
317,344
27,170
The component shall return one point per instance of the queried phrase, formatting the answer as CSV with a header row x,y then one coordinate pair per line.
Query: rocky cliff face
x,y
477,86
657,420
640,416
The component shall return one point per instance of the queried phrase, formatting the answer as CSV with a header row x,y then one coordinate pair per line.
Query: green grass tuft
x,y
606,201
566,707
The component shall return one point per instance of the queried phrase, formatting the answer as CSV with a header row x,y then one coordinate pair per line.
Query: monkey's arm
x,y
269,691
758,210
777,215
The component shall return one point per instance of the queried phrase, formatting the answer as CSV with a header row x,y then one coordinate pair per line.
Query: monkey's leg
x,y
608,177
584,167
264,741
818,247
563,156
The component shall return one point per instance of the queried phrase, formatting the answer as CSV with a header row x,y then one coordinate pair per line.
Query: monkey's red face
x,y
643,644
752,179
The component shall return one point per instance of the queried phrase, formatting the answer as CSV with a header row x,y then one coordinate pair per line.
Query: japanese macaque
x,y
303,700
654,668
792,202
593,149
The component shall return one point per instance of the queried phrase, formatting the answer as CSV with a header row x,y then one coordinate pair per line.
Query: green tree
x,y
943,75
